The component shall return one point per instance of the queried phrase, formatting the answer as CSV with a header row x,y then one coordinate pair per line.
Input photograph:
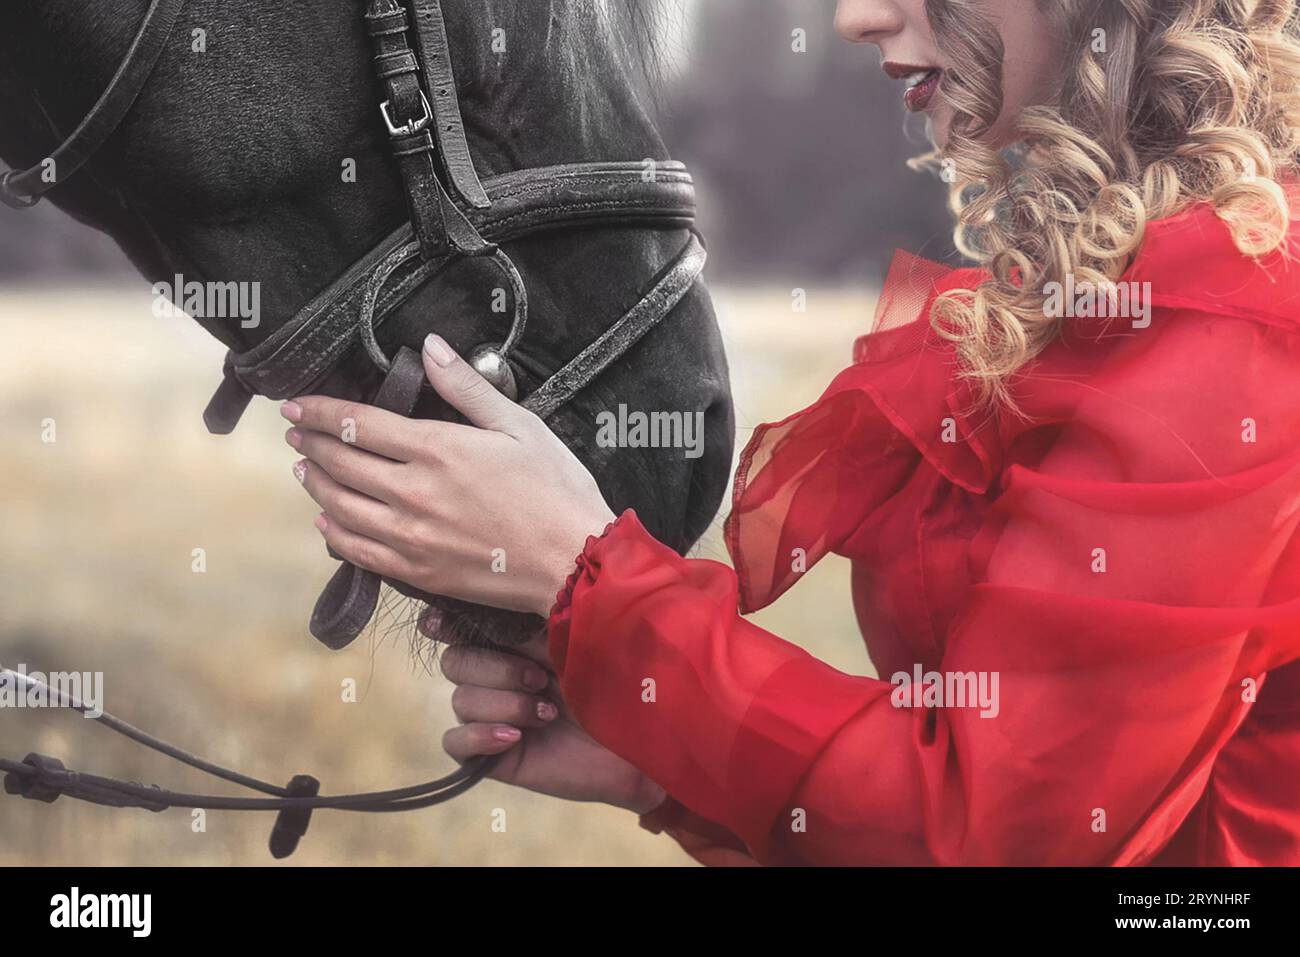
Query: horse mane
x,y
633,28
637,28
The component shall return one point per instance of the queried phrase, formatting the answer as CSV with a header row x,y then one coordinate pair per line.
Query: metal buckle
x,y
12,199
412,127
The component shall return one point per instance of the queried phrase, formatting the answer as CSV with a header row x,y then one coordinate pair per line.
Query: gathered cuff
x,y
564,597
585,566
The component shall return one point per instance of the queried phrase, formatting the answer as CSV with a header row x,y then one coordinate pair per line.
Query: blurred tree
x,y
799,156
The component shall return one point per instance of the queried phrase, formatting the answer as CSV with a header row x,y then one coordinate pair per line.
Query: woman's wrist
x,y
563,561
645,797
649,798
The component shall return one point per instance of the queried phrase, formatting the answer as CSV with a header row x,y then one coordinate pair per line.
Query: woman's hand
x,y
494,513
509,704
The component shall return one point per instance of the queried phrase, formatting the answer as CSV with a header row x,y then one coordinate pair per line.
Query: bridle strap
x,y
448,127
421,133
298,356
23,188
42,778
349,599
669,289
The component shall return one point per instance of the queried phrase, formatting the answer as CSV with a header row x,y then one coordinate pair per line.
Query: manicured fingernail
x,y
291,411
535,679
436,348
505,733
300,470
293,437
321,523
547,711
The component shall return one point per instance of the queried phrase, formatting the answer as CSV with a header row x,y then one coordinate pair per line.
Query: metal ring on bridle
x,y
489,360
366,317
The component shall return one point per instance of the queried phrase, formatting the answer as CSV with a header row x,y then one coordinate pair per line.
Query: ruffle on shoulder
x,y
805,484
1190,261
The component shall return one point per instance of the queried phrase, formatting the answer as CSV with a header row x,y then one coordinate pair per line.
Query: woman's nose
x,y
868,21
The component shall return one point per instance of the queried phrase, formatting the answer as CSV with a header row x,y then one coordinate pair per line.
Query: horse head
x,y
255,155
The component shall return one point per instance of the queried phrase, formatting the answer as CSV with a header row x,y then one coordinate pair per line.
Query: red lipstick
x,y
922,83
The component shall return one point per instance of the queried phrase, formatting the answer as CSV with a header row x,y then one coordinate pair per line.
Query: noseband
x,y
453,215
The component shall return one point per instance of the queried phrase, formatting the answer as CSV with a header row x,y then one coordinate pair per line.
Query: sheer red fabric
x,y
1121,559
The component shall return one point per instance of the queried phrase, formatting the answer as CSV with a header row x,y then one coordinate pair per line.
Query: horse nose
x,y
709,473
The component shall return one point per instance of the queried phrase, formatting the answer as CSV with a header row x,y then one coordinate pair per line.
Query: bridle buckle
x,y
411,128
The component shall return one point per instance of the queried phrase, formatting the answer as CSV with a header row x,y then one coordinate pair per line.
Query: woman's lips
x,y
922,83
921,90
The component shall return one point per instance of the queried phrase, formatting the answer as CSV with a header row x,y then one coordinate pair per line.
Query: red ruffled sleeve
x,y
806,484
641,691
1122,562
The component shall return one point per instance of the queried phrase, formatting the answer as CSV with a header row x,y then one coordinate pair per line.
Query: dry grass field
x,y
97,531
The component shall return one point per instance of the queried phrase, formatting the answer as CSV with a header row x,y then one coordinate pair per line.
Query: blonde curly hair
x,y
1173,103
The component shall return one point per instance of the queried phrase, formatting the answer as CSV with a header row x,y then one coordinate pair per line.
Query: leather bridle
x,y
452,216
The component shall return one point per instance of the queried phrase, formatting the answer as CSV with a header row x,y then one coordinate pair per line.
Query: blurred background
x,y
799,158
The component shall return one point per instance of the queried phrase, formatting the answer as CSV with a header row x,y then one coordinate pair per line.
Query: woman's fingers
x,y
364,426
469,393
471,740
354,511
535,649
464,665
365,552
356,468
476,704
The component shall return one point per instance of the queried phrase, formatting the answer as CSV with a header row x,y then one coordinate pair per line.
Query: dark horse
x,y
257,154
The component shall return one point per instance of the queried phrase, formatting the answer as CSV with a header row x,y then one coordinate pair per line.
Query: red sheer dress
x,y
1123,556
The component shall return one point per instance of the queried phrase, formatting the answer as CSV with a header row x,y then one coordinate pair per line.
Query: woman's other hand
x,y
510,704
